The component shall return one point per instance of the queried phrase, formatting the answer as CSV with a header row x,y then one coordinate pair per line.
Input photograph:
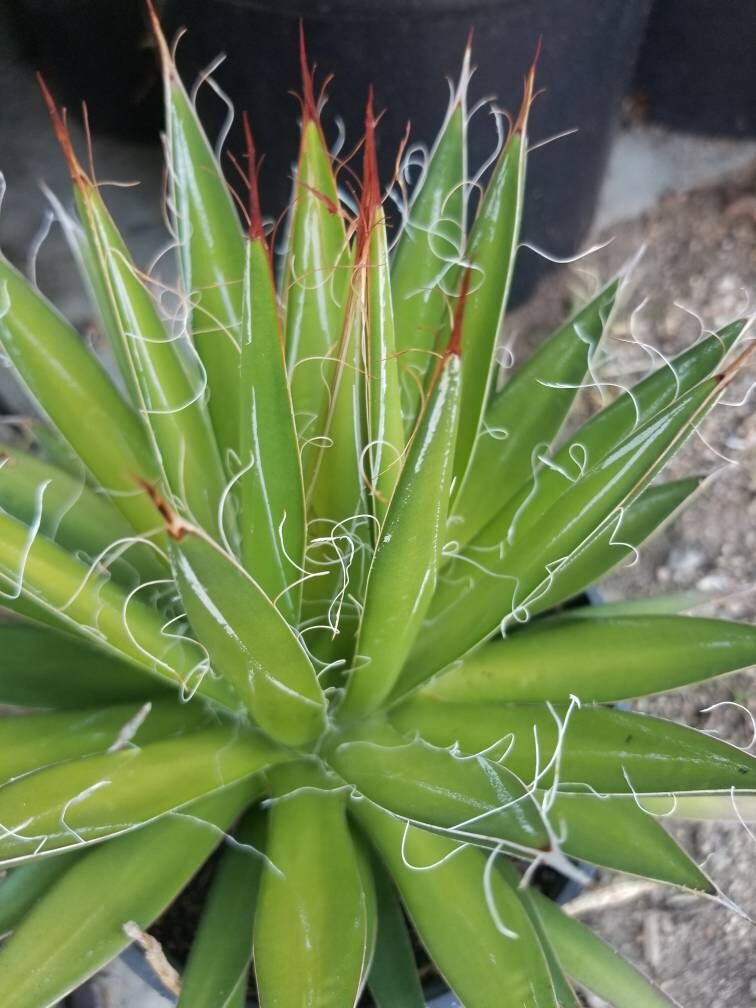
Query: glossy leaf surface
x,y
249,642
272,515
465,794
75,392
425,265
594,964
599,745
72,931
211,253
72,804
599,660
526,415
31,676
222,949
403,572
445,895
311,892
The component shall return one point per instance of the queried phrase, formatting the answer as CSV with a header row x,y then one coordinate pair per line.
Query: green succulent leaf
x,y
403,572
72,931
249,642
315,279
617,833
599,660
526,415
272,515
211,254
26,884
490,256
72,514
425,266
594,964
43,668
468,917
735,806
382,375
69,805
73,389
612,426
41,740
39,570
466,795
522,564
611,751
311,929
393,979
170,393
218,964
565,995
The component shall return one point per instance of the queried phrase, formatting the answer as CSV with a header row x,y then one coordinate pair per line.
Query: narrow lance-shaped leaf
x,y
72,514
33,657
170,394
311,932
524,566
36,569
73,389
612,751
490,254
614,541
440,788
272,519
211,252
72,931
91,275
619,538
611,426
23,886
527,413
425,265
336,488
249,642
600,660
619,834
316,276
384,412
404,567
40,740
565,995
594,964
71,804
222,948
393,978
595,440
54,448
728,807
469,918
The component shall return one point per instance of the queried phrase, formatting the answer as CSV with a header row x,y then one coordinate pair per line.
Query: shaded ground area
x,y
701,253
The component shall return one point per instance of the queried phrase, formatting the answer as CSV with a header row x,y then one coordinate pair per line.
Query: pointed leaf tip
x,y
309,103
60,127
255,229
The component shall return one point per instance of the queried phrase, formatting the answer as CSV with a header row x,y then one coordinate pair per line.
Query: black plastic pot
x,y
97,52
697,69
404,48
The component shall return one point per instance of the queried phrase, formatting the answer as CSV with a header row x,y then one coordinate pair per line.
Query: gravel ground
x,y
700,251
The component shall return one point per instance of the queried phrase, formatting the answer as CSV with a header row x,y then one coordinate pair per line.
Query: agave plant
x,y
292,587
